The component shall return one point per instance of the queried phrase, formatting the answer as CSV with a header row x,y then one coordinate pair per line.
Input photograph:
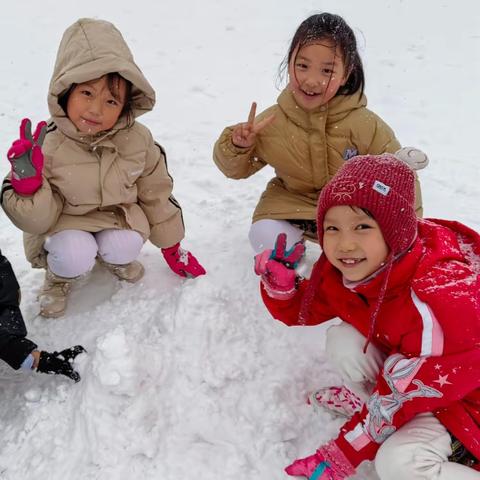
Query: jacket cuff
x,y
16,351
337,459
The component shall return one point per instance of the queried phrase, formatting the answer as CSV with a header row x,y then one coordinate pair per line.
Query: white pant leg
x,y
119,247
419,451
344,348
71,253
263,234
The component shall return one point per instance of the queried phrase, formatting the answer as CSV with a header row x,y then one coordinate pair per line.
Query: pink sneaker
x,y
339,400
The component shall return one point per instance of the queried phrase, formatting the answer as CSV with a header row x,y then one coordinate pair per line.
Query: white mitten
x,y
413,157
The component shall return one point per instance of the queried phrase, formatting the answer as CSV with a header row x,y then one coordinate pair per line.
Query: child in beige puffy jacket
x,y
93,183
320,121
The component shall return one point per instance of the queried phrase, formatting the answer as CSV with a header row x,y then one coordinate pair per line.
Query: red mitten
x,y
277,268
26,158
182,262
327,463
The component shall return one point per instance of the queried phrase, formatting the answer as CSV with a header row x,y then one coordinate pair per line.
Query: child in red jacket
x,y
408,292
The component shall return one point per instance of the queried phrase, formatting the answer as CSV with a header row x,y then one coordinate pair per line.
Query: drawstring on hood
x,y
378,303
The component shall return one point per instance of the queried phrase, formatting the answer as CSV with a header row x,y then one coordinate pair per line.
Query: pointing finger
x,y
40,133
296,253
279,250
251,115
26,130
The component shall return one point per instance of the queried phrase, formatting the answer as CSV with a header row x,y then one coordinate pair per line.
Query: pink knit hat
x,y
381,184
385,186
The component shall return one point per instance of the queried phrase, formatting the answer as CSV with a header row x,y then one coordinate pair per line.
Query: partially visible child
x,y
320,121
15,348
408,292
99,186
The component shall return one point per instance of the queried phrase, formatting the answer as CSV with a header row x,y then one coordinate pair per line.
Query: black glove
x,y
60,363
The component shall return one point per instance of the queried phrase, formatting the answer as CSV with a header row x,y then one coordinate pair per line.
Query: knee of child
x,y
71,253
394,463
264,233
119,247
343,341
404,461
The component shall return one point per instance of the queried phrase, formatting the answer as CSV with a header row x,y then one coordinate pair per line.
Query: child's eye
x,y
113,102
328,71
301,66
87,93
330,228
363,226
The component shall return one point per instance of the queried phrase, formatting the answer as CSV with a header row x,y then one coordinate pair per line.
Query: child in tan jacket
x,y
98,187
319,122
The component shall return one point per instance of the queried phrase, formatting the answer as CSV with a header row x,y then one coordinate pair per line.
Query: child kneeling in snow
x,y
99,187
408,292
17,350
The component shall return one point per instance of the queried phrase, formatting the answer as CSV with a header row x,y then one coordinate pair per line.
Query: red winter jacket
x,y
428,324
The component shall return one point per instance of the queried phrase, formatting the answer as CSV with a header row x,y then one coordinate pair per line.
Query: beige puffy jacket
x,y
305,149
115,179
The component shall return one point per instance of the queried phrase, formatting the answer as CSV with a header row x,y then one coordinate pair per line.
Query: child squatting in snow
x,y
92,184
320,120
408,293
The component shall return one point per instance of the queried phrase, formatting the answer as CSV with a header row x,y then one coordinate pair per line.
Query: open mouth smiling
x,y
350,262
309,94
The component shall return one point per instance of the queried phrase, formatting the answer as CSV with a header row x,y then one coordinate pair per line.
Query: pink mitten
x,y
277,268
339,400
327,463
26,158
182,262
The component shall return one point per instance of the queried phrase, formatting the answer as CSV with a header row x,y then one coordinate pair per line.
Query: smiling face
x,y
353,242
316,73
93,108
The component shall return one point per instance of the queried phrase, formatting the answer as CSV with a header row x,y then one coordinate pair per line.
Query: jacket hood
x,y
90,49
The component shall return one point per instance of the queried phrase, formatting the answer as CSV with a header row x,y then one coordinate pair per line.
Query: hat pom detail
x,y
413,157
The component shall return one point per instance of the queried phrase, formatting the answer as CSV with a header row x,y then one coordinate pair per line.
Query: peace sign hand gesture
x,y
26,158
244,134
277,268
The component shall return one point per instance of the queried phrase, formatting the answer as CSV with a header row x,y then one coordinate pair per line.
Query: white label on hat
x,y
381,188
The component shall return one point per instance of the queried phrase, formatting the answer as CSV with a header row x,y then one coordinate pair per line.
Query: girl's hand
x,y
182,262
244,134
327,463
277,268
26,158
60,363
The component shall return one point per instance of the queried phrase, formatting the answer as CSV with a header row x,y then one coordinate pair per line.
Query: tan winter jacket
x,y
305,149
115,179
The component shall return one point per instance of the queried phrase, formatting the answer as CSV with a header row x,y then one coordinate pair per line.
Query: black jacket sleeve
x,y
14,346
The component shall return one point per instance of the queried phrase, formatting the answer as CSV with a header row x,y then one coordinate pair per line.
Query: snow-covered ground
x,y
193,379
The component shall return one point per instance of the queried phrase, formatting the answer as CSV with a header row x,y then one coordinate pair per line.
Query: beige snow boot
x,y
53,297
131,272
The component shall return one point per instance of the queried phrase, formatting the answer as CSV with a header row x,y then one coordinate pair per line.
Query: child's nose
x,y
311,82
346,244
95,107
314,80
